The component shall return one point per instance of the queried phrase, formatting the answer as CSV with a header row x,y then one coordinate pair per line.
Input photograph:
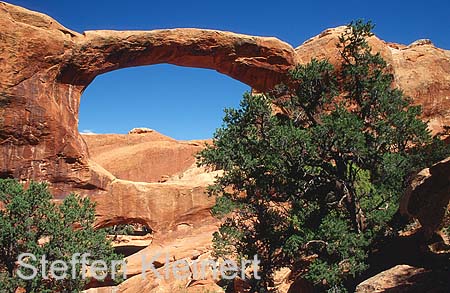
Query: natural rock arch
x,y
46,67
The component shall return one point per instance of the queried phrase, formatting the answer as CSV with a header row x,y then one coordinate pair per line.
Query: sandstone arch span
x,y
45,67
49,66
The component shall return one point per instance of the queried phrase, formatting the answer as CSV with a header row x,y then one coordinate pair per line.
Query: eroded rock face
x,y
185,245
421,70
428,196
405,278
46,67
142,155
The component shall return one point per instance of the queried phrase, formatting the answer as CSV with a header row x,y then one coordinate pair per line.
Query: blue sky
x,y
187,103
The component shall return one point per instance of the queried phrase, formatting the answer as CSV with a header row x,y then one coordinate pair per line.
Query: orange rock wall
x,y
146,157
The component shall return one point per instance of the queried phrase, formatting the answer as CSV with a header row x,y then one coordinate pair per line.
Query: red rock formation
x,y
45,68
142,156
421,70
428,196
49,66
405,278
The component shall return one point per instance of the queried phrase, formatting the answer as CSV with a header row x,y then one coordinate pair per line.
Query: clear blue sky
x,y
187,103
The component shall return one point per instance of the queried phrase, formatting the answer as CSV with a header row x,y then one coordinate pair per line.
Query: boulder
x,y
427,196
405,278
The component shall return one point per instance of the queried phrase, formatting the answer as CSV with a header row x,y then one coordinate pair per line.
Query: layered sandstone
x,y
48,66
420,69
144,156
45,68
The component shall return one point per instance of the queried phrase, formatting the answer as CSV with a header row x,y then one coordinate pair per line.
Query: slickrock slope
x,y
153,180
189,244
142,157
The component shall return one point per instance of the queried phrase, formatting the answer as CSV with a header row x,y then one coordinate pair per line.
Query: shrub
x,y
31,223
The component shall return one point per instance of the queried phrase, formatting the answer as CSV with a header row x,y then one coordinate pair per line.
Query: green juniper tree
x,y
312,186
31,223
